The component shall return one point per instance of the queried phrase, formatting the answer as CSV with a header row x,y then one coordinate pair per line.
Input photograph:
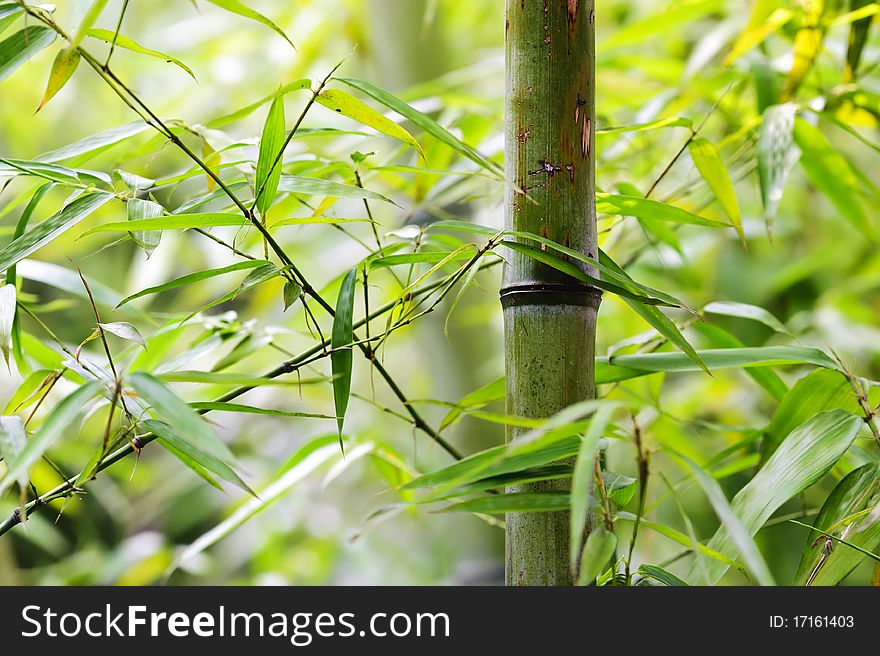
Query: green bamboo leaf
x,y
424,257
25,395
711,167
423,121
138,209
53,172
170,222
269,160
181,426
191,453
832,174
610,271
493,463
63,68
660,574
654,210
622,367
850,513
776,155
858,36
317,187
680,538
746,311
309,458
9,13
242,9
598,551
62,420
231,380
184,457
738,535
7,319
567,267
341,343
719,338
655,318
292,293
344,103
244,112
479,398
108,36
90,18
13,441
802,459
582,483
21,46
124,330
823,389
169,408
220,406
763,21
47,230
669,122
95,143
195,277
517,502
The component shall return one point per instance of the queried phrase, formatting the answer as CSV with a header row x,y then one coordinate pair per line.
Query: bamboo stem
x,y
549,318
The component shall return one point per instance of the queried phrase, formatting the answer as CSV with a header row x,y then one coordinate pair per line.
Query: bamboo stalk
x,y
549,318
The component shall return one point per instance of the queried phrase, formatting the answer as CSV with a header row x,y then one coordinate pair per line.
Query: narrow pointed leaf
x,y
174,412
655,318
242,9
802,459
96,142
711,167
738,535
746,311
108,36
622,367
582,483
178,441
852,513
21,46
62,420
598,551
63,68
171,222
423,121
244,112
47,230
832,174
776,155
340,341
344,103
317,187
292,291
195,277
654,210
269,160
9,13
138,209
823,389
660,574
124,330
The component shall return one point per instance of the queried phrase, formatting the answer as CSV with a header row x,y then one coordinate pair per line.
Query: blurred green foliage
x,y
719,64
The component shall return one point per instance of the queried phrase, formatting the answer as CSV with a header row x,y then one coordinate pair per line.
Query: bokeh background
x,y
818,275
